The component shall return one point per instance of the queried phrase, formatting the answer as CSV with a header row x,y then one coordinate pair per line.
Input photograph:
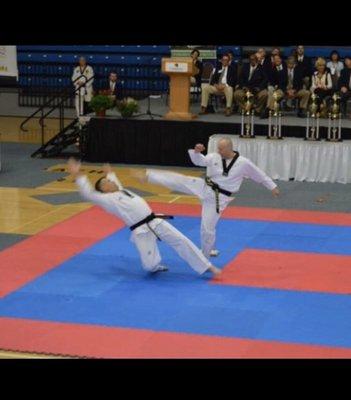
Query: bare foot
x,y
216,271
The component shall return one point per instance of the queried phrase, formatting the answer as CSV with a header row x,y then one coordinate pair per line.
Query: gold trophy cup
x,y
312,120
334,120
247,117
276,127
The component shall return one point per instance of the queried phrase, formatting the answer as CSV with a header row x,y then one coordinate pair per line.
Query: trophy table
x,y
179,69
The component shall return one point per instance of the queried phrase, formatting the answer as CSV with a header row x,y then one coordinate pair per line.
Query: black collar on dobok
x,y
226,168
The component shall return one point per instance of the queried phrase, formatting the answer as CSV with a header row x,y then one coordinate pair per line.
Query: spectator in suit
x,y
196,79
290,82
252,78
223,80
275,52
322,84
113,88
344,84
305,64
335,66
277,81
231,56
264,61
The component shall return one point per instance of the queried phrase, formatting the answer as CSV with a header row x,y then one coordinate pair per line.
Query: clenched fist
x,y
275,192
199,148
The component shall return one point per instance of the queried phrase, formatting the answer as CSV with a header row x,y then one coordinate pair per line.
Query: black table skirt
x,y
159,142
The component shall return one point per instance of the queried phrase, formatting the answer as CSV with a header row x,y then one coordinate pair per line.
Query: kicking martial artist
x,y
226,170
146,226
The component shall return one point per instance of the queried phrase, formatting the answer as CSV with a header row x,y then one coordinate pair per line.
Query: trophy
x,y
312,120
334,121
247,117
275,115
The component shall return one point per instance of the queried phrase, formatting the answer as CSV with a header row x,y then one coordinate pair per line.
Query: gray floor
x,y
20,170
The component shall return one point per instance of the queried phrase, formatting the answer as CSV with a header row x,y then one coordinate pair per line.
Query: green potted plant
x,y
100,103
127,107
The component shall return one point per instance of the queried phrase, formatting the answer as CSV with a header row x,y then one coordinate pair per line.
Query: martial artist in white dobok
x,y
146,227
81,74
226,170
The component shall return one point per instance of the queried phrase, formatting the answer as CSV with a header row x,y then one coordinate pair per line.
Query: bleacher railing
x,y
59,104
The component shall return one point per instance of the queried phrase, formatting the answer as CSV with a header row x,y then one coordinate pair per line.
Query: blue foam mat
x,y
105,285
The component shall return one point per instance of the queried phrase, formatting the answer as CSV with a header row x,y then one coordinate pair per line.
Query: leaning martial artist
x,y
146,226
225,172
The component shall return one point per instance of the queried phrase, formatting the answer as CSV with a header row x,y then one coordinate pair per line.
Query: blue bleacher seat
x,y
235,49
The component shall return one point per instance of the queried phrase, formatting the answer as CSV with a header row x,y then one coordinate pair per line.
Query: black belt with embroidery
x,y
217,189
148,219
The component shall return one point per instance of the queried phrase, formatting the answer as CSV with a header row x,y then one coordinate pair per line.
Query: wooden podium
x,y
179,69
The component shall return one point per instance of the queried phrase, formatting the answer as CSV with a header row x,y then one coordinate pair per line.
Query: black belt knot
x,y
217,189
148,219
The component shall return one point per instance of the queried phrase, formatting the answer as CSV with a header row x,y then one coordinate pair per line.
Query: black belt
x,y
148,219
217,189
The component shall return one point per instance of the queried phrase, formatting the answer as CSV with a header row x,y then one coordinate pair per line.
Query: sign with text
x,y
8,61
176,67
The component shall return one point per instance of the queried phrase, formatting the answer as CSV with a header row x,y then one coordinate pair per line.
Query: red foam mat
x,y
105,342
264,214
289,270
26,260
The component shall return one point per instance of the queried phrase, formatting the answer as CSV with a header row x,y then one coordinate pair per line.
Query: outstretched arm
x,y
110,175
257,175
197,158
85,188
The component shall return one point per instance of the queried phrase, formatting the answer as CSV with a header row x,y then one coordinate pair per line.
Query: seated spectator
x,y
263,60
305,64
275,52
289,82
322,84
196,79
223,80
113,84
252,78
335,66
277,81
344,84
231,56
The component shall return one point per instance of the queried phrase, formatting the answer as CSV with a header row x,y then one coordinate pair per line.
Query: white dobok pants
x,y
146,243
195,186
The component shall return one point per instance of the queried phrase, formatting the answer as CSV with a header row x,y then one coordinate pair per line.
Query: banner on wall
x,y
8,61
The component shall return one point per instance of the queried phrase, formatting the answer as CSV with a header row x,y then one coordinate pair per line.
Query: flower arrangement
x,y
127,107
100,103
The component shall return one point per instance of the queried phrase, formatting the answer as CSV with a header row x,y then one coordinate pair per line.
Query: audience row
x,y
270,78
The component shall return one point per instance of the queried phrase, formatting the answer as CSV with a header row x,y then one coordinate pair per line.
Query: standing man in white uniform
x,y
81,74
225,173
146,227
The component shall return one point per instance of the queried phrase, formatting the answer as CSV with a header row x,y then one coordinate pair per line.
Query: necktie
x,y
252,69
221,75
